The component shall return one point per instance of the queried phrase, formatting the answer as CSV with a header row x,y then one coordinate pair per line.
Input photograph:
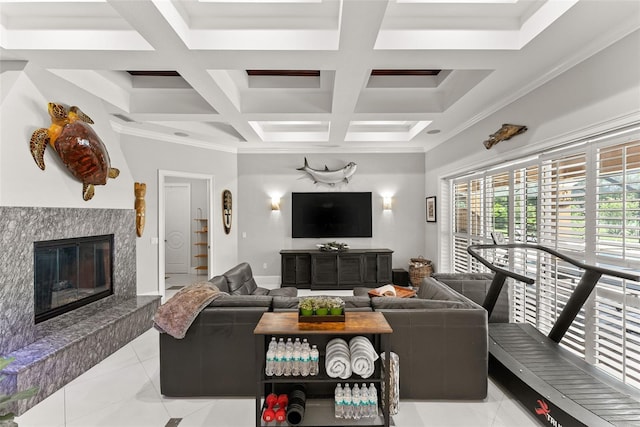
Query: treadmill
x,y
558,387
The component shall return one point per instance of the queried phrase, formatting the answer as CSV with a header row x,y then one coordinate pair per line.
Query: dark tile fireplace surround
x,y
53,352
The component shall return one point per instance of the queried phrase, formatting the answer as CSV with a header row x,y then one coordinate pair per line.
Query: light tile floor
x,y
124,390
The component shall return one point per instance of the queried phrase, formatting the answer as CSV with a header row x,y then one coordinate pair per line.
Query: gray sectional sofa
x,y
440,337
475,287
216,356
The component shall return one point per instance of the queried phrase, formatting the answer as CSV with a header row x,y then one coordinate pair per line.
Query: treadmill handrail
x,y
588,281
602,270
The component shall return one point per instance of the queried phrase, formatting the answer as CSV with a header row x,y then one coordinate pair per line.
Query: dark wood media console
x,y
319,270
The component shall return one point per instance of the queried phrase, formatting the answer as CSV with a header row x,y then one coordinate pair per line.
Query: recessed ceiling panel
x,y
385,130
292,130
467,25
385,73
88,24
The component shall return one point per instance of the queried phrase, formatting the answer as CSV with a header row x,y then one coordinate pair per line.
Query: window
x,y
617,242
585,202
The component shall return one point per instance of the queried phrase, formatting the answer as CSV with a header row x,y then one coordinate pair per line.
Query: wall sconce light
x,y
386,203
275,203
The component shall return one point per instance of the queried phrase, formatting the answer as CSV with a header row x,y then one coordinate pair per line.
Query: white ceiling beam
x,y
359,26
72,39
95,83
176,117
164,30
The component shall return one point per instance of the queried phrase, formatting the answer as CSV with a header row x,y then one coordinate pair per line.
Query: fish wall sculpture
x,y
506,132
327,176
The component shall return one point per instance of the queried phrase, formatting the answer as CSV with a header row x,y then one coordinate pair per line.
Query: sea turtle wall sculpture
x,y
327,176
77,144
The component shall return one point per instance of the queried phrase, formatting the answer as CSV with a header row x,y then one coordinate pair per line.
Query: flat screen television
x,y
331,214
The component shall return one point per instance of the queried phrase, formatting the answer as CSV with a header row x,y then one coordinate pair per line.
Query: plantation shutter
x,y
562,227
525,205
461,227
585,204
617,307
476,219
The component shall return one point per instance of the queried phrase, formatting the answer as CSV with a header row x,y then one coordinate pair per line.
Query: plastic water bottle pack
x,y
291,358
357,402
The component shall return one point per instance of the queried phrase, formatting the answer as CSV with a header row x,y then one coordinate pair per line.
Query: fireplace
x,y
70,273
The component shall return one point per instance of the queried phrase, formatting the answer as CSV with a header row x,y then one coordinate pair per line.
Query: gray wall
x,y
260,176
145,158
597,95
23,109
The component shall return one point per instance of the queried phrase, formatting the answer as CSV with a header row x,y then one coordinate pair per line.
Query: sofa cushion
x,y
220,282
361,291
261,291
284,292
242,301
394,303
286,303
430,288
357,303
240,280
475,287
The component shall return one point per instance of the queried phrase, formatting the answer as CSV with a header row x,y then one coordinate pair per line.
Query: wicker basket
x,y
419,268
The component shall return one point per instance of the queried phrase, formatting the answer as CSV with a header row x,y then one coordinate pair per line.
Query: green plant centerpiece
x,y
321,306
305,305
333,246
6,419
336,306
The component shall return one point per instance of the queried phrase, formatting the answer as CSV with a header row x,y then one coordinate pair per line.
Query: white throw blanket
x,y
338,359
363,356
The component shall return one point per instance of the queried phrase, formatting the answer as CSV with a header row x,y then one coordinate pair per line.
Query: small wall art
x,y
139,190
226,211
431,209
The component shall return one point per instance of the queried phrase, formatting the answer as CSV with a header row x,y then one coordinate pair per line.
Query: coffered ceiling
x,y
308,75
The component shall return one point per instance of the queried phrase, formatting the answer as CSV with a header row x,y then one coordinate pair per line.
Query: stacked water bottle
x,y
356,403
291,358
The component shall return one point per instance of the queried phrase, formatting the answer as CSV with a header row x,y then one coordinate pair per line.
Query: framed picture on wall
x,y
431,209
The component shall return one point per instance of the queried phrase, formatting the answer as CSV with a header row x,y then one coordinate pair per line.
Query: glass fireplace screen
x,y
70,273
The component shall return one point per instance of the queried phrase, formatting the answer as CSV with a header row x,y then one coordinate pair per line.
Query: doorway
x,y
177,228
164,178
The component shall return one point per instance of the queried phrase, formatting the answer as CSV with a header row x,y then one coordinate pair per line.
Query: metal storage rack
x,y
320,403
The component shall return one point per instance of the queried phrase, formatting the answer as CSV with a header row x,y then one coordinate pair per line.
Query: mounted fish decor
x,y
507,131
80,149
327,176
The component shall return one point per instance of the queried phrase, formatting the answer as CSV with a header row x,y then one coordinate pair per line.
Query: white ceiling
x,y
490,53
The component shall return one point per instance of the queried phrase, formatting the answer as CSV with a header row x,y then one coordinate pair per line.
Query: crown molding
x,y
160,136
320,150
616,34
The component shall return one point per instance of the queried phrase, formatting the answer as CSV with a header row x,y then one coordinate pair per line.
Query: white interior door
x,y
177,227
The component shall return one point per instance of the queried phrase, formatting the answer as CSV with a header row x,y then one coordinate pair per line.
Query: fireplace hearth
x,y
70,273
51,353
